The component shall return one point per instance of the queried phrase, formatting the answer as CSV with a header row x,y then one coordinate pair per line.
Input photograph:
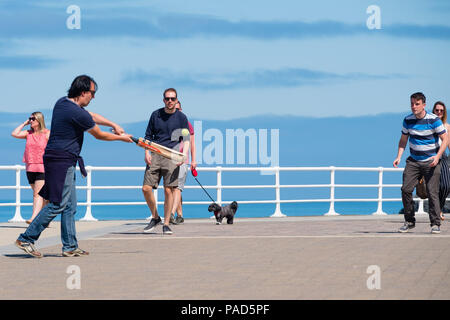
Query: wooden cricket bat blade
x,y
157,148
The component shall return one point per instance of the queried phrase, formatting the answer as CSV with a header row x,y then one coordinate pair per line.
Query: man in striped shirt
x,y
423,130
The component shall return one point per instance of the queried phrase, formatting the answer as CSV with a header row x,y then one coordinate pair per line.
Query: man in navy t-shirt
x,y
166,126
69,122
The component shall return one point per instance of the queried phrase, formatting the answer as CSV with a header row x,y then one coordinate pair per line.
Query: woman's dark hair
x,y
79,85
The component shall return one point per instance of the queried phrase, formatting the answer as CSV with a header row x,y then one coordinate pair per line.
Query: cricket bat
x,y
157,148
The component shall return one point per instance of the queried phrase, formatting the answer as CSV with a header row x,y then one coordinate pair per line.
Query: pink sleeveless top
x,y
191,132
34,150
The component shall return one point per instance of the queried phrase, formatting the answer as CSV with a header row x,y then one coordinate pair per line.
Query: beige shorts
x,y
161,168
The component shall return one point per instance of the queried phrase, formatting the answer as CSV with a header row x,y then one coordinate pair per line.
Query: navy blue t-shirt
x,y
69,122
165,128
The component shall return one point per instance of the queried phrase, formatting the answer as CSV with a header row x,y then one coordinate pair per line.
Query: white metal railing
x,y
219,187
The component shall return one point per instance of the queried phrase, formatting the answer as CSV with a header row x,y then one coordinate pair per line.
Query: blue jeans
x,y
67,208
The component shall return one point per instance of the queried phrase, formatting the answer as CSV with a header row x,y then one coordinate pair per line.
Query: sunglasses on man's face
x,y
170,98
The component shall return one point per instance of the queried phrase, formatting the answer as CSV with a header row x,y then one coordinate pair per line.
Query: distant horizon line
x,y
272,115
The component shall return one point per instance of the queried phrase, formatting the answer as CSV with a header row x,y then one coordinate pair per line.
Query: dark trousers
x,y
444,187
414,170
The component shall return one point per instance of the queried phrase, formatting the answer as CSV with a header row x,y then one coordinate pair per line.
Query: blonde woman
x,y
440,110
37,138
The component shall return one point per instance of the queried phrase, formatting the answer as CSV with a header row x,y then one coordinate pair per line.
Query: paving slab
x,y
293,258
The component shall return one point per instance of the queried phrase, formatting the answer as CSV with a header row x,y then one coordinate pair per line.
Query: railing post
x,y
277,213
88,215
331,211
219,186
219,189
380,194
420,210
17,215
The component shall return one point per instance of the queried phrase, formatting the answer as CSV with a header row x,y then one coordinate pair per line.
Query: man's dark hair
x,y
418,96
170,89
79,85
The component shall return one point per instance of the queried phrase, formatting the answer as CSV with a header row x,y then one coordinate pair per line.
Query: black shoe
x,y
179,220
172,220
166,230
406,227
153,223
435,230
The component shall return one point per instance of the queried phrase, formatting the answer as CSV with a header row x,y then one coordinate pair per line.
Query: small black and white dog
x,y
227,211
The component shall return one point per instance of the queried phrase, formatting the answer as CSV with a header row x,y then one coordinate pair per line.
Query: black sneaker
x,y
166,230
435,229
153,223
406,227
179,220
172,220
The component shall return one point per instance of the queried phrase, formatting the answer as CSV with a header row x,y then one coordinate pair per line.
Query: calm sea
x,y
201,211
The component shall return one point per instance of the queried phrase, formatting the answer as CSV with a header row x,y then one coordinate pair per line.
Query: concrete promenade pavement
x,y
293,258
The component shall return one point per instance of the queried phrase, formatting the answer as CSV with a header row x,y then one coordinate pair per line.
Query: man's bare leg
x,y
176,201
150,199
180,207
168,203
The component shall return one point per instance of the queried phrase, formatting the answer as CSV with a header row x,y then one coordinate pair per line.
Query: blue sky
x,y
227,59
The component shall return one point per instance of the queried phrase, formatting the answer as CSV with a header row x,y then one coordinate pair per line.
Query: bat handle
x,y
135,140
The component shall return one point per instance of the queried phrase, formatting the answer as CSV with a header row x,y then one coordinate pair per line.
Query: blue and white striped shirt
x,y
423,135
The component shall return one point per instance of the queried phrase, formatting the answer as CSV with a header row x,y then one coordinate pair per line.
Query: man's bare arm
x,y
193,153
100,120
401,148
444,144
107,136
